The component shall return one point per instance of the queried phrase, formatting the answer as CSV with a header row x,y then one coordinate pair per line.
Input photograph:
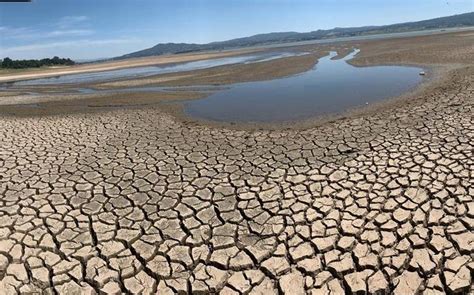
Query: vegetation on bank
x,y
8,63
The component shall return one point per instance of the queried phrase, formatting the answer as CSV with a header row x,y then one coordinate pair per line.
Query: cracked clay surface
x,y
135,201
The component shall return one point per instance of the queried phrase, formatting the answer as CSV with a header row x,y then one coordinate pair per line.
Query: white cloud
x,y
69,36
68,26
17,32
64,45
69,33
72,20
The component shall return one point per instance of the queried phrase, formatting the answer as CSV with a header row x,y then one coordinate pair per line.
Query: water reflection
x,y
332,86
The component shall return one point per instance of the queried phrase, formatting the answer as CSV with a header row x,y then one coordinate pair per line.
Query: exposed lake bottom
x,y
147,71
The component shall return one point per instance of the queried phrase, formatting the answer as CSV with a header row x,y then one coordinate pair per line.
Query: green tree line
x,y
8,63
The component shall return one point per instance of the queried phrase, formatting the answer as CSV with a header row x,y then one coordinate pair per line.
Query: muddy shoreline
x,y
120,64
438,75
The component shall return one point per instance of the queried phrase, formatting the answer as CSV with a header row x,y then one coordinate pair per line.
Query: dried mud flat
x,y
16,75
136,201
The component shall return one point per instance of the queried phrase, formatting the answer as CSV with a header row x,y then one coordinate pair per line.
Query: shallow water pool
x,y
332,86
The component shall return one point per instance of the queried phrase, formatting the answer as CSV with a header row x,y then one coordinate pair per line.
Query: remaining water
x,y
155,70
332,86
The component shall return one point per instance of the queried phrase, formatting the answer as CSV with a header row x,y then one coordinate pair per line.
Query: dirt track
x,y
136,201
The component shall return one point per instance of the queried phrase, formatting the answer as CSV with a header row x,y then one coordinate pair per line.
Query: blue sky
x,y
83,29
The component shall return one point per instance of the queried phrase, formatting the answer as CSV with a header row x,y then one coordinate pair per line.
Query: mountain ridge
x,y
458,20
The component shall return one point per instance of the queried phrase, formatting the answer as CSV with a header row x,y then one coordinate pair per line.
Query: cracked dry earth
x,y
133,201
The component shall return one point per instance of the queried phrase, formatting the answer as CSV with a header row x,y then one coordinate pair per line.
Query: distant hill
x,y
460,20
